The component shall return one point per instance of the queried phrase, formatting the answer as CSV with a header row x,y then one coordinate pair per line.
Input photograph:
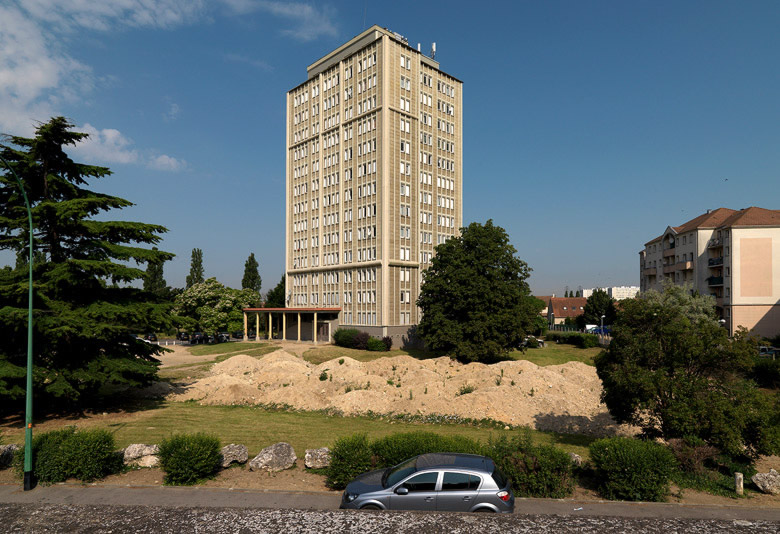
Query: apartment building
x,y
615,292
733,255
374,179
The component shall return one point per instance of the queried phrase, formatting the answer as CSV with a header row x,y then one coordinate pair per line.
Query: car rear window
x,y
460,482
499,478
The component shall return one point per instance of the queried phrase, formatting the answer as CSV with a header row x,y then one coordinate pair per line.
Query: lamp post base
x,y
29,481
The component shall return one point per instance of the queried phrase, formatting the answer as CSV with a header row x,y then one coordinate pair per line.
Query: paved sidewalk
x,y
156,496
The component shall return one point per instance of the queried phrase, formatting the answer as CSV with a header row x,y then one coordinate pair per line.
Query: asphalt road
x,y
72,508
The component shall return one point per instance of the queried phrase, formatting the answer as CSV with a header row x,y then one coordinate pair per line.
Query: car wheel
x,y
484,511
370,507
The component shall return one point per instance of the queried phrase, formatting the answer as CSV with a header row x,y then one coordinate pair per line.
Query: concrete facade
x,y
373,179
733,255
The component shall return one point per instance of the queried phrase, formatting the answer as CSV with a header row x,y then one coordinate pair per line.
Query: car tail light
x,y
503,495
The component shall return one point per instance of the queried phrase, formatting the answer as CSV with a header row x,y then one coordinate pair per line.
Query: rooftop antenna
x,y
433,51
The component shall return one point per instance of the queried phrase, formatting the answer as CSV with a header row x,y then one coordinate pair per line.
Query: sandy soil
x,y
564,398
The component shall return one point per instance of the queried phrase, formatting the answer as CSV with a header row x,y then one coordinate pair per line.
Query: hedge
x,y
352,338
632,469
584,341
85,455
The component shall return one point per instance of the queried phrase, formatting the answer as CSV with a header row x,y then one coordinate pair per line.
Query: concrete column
x,y
246,331
299,327
314,328
270,325
738,483
284,326
257,327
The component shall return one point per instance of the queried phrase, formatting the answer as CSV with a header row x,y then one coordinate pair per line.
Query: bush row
x,y
352,338
535,470
584,341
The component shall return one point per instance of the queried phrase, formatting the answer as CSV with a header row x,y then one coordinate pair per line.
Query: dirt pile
x,y
564,398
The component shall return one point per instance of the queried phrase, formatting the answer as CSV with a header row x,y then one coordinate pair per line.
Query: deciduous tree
x,y
214,307
275,297
672,370
475,301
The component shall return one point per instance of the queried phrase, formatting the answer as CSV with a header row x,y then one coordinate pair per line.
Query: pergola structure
x,y
308,324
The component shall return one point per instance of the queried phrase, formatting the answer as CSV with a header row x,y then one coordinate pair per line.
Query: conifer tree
x,y
154,282
196,268
251,278
86,308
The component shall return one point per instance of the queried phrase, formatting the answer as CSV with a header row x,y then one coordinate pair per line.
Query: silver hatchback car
x,y
438,481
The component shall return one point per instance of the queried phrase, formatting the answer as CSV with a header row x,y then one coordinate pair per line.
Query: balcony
x,y
670,268
715,243
685,266
714,262
715,281
650,271
669,252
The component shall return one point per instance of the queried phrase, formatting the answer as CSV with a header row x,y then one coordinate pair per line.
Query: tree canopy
x,y
251,278
86,308
475,301
672,370
275,297
196,268
597,304
213,307
154,282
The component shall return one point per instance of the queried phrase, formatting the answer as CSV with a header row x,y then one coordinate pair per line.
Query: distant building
x,y
616,292
733,255
560,308
546,300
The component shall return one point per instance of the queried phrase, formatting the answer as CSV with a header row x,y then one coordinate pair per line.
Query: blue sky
x,y
588,126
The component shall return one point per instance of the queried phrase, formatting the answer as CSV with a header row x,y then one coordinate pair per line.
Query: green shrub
x,y
396,448
189,458
349,456
632,469
388,341
361,341
535,470
85,455
345,337
584,341
465,389
532,343
587,341
692,454
375,344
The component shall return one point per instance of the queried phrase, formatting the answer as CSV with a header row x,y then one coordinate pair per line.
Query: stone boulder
x,y
317,458
767,482
141,455
7,453
234,453
277,457
576,459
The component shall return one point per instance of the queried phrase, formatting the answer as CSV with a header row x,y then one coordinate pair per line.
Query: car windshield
x,y
394,475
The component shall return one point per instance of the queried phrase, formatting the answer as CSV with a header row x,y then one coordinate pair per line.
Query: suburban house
x,y
561,308
733,255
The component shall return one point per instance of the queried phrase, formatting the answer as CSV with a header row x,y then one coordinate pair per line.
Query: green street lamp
x,y
28,474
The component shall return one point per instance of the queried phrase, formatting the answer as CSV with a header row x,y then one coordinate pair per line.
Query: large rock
x,y
317,458
234,453
7,453
768,482
277,457
576,459
141,455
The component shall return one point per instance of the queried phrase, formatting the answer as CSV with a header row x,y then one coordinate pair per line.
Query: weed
x,y
390,382
341,361
411,397
465,389
324,375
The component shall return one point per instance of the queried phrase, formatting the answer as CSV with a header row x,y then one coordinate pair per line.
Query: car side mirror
x,y
401,490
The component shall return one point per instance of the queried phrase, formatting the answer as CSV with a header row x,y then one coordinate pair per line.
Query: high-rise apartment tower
x,y
374,179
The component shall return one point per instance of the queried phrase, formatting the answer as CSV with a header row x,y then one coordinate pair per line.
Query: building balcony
x,y
685,266
714,262
715,281
669,252
715,243
650,271
670,268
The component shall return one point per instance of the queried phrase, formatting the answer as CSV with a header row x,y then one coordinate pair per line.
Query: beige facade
x,y
733,255
374,179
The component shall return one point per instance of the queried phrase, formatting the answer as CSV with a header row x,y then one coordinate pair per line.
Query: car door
x,y
458,491
422,492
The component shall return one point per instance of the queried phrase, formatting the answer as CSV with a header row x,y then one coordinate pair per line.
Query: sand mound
x,y
564,398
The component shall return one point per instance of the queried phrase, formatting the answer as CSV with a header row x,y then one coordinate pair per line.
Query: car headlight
x,y
349,497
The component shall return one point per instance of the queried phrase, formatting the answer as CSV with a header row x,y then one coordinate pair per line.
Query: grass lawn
x,y
329,352
257,427
556,354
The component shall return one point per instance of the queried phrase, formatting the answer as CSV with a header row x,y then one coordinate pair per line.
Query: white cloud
x,y
166,163
309,21
105,146
173,112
